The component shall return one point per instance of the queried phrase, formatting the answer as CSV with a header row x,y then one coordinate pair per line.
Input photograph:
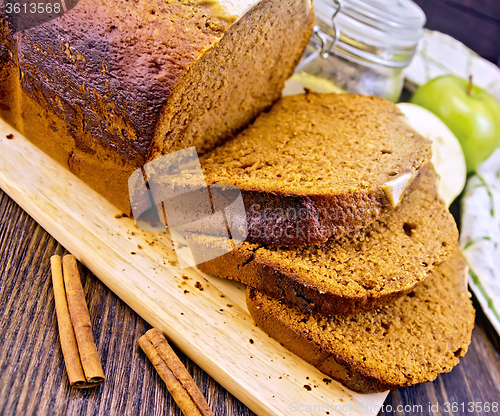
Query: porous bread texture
x,y
360,272
109,86
407,342
318,166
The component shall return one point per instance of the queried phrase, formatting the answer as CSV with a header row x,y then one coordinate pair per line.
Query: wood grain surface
x,y
33,379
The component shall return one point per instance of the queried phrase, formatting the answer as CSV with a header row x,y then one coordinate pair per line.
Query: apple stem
x,y
469,90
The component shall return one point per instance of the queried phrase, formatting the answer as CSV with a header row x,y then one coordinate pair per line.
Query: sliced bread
x,y
408,342
361,272
318,166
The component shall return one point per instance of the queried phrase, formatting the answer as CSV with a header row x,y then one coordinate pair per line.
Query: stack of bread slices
x,y
351,260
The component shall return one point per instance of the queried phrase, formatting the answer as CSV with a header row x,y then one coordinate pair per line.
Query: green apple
x,y
447,155
471,113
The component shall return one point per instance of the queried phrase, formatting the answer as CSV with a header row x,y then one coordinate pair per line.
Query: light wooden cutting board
x,y
138,267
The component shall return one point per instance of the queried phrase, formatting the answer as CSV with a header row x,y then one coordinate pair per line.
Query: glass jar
x,y
364,45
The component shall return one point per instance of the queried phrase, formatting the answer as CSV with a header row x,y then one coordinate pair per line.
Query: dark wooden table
x,y
32,375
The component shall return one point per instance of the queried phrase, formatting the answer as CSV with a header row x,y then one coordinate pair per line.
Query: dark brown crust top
x,y
362,272
371,352
109,70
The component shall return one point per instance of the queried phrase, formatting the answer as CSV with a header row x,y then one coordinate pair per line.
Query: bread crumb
x,y
139,246
198,286
307,387
327,381
229,305
185,277
10,136
132,252
251,341
186,291
118,215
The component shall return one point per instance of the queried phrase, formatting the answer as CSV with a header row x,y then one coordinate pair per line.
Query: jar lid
x,y
402,18
384,31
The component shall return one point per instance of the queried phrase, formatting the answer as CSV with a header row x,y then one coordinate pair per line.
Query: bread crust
x,y
298,220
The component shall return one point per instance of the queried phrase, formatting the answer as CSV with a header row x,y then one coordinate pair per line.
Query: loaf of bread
x,y
319,166
361,272
407,342
113,84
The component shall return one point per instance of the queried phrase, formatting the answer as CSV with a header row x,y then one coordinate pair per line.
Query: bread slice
x,y
318,166
112,84
361,272
410,341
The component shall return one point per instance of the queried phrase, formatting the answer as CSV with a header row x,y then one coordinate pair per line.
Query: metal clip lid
x,y
320,37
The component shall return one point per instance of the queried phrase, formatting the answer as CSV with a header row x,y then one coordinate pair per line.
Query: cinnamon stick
x,y
80,319
66,332
72,322
179,382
